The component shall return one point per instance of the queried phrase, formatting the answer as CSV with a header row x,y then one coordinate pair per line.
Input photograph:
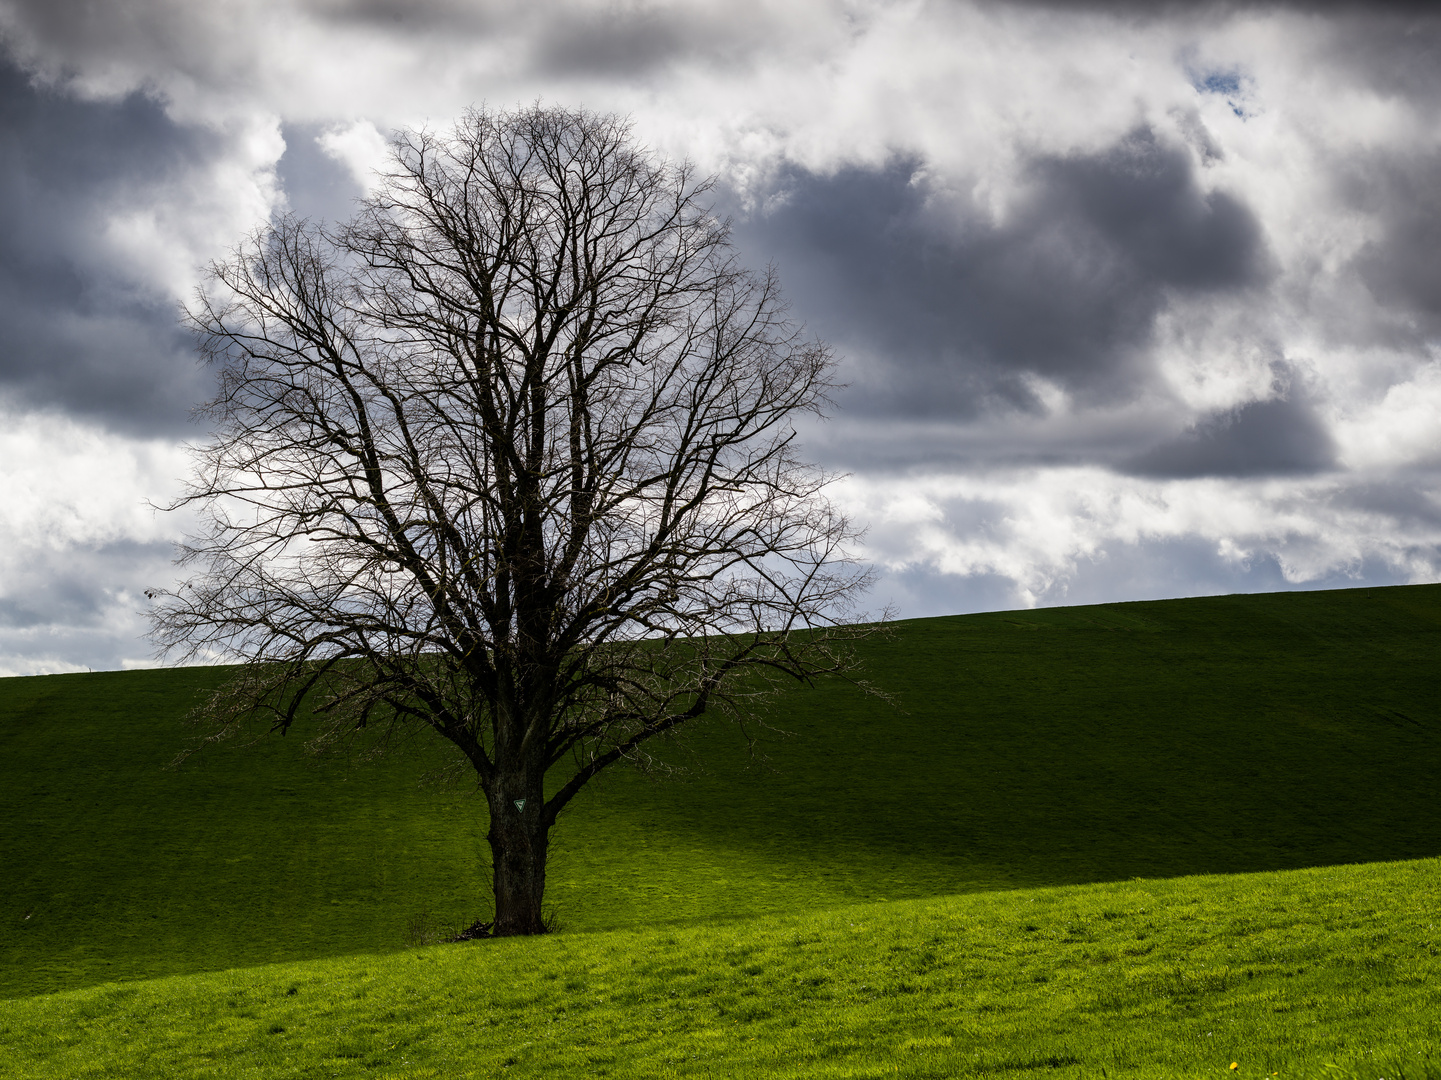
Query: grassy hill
x,y
1040,751
1040,748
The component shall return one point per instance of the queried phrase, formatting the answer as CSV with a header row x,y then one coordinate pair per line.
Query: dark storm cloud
x,y
1399,56
954,311
1402,268
1394,48
615,43
1261,438
414,14
627,42
82,334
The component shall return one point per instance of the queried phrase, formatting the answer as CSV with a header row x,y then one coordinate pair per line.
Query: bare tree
x,y
509,456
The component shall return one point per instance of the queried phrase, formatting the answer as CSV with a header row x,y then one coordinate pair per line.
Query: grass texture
x,y
1030,749
1330,972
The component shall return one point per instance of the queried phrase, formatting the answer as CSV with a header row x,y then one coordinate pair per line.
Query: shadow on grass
x,y
1064,746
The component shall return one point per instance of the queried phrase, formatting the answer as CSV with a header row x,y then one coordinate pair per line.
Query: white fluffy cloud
x,y
1133,303
80,542
1053,533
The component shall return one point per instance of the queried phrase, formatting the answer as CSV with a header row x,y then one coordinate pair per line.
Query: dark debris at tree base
x,y
474,931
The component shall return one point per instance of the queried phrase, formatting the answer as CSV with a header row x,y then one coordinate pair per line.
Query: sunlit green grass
x,y
1053,747
1283,973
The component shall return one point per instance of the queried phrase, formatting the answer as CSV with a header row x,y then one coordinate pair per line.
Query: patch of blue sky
x,y
1227,84
1220,82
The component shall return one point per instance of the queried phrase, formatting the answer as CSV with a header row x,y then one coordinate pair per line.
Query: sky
x,y
1133,300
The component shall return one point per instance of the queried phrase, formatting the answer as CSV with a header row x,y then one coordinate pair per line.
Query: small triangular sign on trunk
x,y
520,805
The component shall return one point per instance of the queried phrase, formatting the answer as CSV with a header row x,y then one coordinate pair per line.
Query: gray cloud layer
x,y
1261,438
954,311
85,333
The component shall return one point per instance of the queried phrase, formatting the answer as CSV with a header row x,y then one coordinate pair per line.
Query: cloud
x,y
78,329
955,308
1134,298
1260,438
1217,9
317,181
619,41
359,147
1141,199
106,207
1080,534
1400,267
1275,436
78,542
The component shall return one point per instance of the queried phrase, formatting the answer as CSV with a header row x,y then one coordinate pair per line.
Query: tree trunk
x,y
518,837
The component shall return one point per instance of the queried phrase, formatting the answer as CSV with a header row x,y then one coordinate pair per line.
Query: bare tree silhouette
x,y
510,456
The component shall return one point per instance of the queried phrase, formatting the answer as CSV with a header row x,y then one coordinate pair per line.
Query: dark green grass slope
x,y
112,866
1048,747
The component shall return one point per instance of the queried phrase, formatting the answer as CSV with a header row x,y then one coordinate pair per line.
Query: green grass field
x,y
1284,972
1043,750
